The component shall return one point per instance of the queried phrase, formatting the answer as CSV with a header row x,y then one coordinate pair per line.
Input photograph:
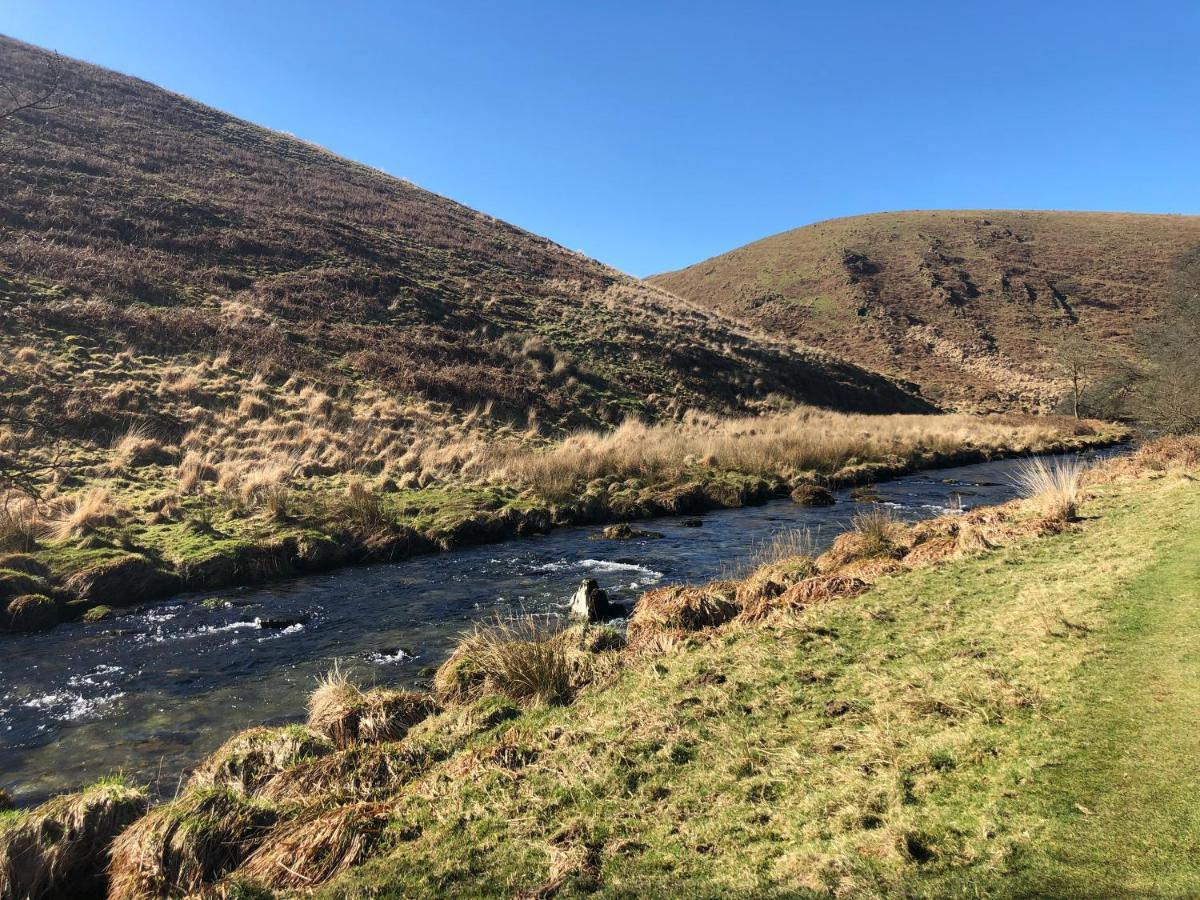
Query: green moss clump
x,y
97,614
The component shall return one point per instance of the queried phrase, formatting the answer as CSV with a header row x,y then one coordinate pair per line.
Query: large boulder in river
x,y
591,604
625,532
812,495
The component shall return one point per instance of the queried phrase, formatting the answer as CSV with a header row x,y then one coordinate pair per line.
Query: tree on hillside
x,y
1168,394
1076,357
37,98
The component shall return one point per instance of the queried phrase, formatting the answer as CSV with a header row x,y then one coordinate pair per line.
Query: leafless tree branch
x,y
37,100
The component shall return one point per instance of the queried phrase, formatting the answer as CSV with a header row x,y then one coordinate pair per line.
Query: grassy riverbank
x,y
996,703
144,519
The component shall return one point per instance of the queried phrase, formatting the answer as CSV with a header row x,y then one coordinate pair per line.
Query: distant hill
x,y
973,306
134,221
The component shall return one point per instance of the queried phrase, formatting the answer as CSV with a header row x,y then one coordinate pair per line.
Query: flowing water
x,y
154,690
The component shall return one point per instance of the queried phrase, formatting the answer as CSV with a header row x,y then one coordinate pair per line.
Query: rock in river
x,y
591,604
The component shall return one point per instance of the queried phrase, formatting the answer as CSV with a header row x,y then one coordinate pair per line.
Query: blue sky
x,y
653,135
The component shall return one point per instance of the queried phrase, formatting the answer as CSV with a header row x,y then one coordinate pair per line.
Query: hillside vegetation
x,y
984,310
990,704
229,355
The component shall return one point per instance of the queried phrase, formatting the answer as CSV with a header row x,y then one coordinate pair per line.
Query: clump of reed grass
x,y
362,508
248,760
519,658
181,847
876,531
346,714
61,848
1055,485
136,448
316,847
21,524
194,469
84,513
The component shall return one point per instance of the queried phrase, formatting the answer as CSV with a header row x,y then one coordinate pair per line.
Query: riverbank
x,y
157,530
919,710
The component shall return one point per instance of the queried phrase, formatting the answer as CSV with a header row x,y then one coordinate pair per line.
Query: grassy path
x,y
1123,811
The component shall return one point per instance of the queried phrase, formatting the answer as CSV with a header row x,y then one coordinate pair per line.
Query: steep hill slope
x,y
137,220
975,307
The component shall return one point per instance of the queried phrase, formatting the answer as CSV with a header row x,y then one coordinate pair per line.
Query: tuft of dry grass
x,y
84,513
876,529
332,707
1054,484
181,847
61,848
251,758
519,658
345,714
308,852
194,469
21,524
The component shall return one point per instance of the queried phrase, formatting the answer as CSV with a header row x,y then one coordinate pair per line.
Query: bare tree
x,y
1077,359
39,98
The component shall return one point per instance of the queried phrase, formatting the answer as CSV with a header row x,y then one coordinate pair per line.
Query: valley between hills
x,y
233,365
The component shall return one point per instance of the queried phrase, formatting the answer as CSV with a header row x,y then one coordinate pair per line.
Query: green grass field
x,y
1018,723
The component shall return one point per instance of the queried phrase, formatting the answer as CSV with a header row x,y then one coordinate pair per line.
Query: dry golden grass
x,y
803,441
519,658
1054,484
251,758
876,529
61,848
181,847
83,513
345,714
21,524
316,847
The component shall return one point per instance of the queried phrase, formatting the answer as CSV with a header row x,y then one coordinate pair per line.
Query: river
x,y
153,690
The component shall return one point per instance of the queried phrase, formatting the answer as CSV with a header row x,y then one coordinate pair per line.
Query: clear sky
x,y
655,134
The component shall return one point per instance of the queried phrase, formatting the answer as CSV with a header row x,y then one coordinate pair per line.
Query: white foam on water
x,y
600,566
283,632
67,706
380,658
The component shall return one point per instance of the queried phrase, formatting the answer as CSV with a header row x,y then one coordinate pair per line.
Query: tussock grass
x,y
84,513
251,758
802,441
520,658
194,469
61,848
876,530
1054,484
317,847
346,714
21,524
179,848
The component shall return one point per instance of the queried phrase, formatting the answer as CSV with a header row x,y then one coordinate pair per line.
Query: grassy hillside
x,y
230,355
991,704
142,233
976,307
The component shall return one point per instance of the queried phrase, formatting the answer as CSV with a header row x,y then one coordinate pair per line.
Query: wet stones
x,y
812,495
624,532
